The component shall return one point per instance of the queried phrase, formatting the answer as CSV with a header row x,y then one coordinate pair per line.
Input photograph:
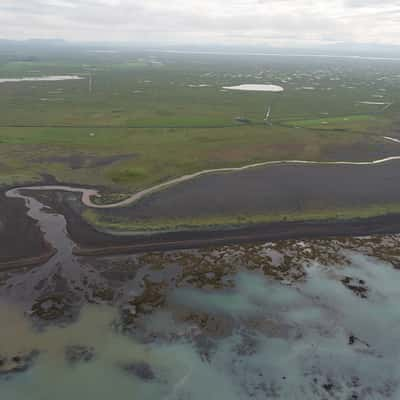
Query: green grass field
x,y
148,109
144,120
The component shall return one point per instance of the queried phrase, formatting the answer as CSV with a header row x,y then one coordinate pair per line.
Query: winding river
x,y
87,194
328,325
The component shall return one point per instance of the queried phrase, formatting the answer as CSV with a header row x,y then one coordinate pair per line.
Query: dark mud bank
x,y
389,224
20,235
90,241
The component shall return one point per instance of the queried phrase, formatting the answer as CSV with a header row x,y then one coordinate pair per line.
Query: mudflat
x,y
274,189
91,241
20,236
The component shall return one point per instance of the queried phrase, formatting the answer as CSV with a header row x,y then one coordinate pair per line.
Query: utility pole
x,y
267,115
90,83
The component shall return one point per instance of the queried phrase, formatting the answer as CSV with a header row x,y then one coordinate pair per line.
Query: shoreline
x,y
271,232
91,241
13,265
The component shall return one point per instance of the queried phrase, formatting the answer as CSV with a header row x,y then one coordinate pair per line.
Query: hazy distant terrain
x,y
138,118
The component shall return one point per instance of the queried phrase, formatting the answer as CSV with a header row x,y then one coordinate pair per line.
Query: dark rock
x,y
50,307
356,286
18,363
328,387
353,339
76,354
104,294
141,370
60,306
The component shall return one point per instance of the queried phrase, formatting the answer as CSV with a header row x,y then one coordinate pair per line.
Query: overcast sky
x,y
273,22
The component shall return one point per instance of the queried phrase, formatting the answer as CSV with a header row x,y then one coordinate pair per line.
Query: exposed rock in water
x,y
354,340
50,307
128,312
18,363
75,354
140,369
328,386
358,287
104,294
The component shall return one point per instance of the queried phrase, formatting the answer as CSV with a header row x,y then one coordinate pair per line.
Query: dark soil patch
x,y
76,354
51,307
78,161
20,236
360,151
141,370
357,286
18,363
271,190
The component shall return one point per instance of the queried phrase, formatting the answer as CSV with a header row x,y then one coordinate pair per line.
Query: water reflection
x,y
317,338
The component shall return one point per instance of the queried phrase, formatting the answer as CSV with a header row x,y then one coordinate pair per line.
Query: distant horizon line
x,y
346,50
307,45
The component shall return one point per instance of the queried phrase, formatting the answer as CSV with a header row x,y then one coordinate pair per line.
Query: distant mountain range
x,y
344,49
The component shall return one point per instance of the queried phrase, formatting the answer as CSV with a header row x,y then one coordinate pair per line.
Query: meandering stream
x,y
87,194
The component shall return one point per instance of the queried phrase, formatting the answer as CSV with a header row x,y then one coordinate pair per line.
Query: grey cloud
x,y
203,20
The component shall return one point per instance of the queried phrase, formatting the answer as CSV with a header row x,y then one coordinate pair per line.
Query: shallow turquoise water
x,y
286,342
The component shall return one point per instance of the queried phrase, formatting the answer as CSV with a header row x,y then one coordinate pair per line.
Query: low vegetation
x,y
116,224
168,115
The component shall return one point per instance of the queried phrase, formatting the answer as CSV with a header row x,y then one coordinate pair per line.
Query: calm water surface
x,y
255,337
283,342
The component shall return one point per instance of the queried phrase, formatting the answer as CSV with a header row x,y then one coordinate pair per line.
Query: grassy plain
x,y
149,117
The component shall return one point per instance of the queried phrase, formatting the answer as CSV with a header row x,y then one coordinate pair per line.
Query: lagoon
x,y
256,88
50,78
